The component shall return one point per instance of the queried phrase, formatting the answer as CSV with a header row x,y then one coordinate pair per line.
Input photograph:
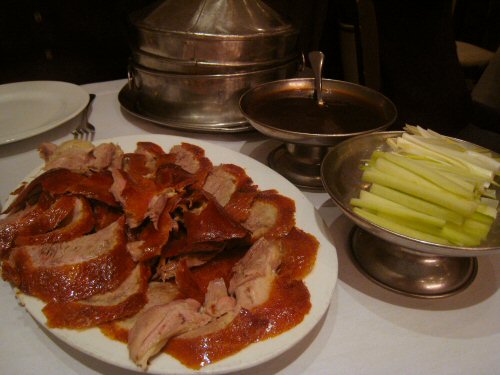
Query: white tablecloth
x,y
367,329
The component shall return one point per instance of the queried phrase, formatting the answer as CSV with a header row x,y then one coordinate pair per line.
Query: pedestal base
x,y
408,272
300,164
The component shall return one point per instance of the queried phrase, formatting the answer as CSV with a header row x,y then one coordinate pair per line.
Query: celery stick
x,y
445,199
379,204
464,183
430,175
425,228
487,210
482,218
457,236
489,202
484,160
459,171
490,193
415,149
476,228
416,204
395,170
398,228
452,155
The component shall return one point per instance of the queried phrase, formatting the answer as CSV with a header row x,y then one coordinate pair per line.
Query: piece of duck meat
x,y
211,224
29,193
156,325
183,318
238,207
73,155
168,173
150,149
158,293
224,180
124,301
192,159
134,186
167,267
219,305
50,217
14,223
271,214
217,300
166,199
206,228
138,167
134,196
79,221
187,283
106,156
80,156
154,236
254,274
72,270
173,176
95,185
104,214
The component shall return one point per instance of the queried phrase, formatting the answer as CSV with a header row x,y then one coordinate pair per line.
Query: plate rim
x,y
80,99
321,295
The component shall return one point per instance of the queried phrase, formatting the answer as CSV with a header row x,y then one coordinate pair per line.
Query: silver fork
x,y
85,129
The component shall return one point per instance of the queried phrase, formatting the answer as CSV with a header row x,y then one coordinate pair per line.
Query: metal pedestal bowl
x,y
286,110
399,263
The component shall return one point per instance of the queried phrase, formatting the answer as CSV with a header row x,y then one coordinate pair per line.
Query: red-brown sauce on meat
x,y
288,304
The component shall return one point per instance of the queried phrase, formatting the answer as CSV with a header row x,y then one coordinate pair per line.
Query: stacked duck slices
x,y
431,188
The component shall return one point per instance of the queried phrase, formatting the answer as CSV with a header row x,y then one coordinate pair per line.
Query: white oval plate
x,y
320,282
34,107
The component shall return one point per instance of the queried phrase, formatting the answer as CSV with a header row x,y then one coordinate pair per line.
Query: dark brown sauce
x,y
342,113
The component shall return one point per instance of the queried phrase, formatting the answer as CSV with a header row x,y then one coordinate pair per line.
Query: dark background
x,y
87,41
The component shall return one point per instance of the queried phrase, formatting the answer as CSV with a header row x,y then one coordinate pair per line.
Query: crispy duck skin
x,y
72,270
124,301
207,229
149,148
30,193
212,224
57,182
95,185
81,222
19,222
134,195
153,238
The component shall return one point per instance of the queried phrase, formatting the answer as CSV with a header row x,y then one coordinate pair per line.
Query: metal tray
x,y
129,100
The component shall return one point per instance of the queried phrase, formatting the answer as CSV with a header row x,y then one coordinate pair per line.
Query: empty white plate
x,y
31,108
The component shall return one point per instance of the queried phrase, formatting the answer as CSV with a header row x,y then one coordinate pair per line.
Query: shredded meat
x,y
255,273
155,326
